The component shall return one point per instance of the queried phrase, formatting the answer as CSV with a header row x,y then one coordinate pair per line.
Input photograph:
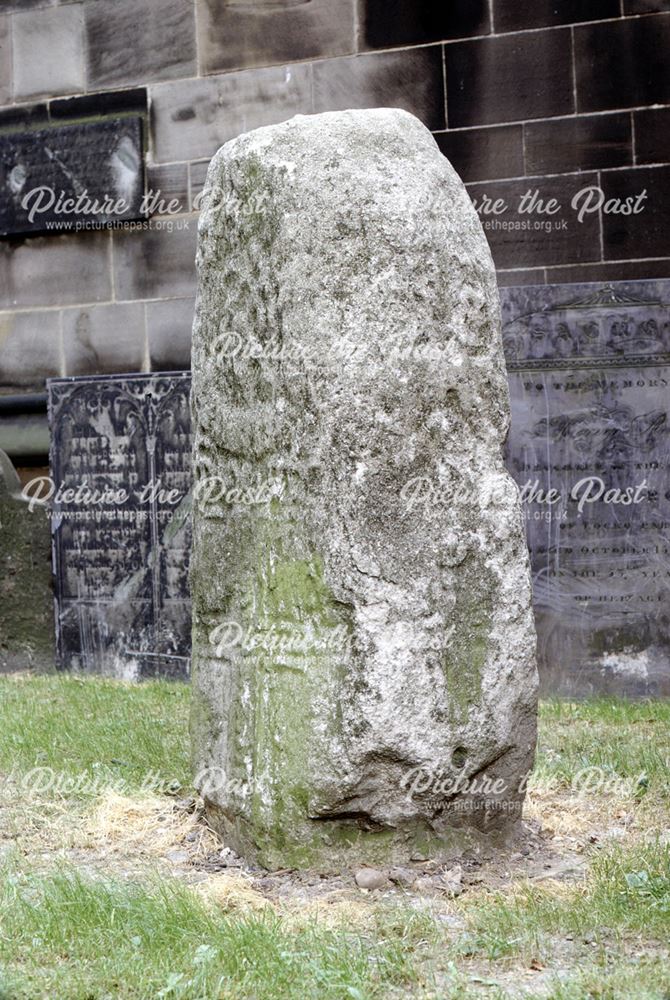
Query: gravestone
x,y
71,176
589,370
26,596
364,659
120,497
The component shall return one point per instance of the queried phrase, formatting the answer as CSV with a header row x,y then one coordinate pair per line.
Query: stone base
x,y
335,846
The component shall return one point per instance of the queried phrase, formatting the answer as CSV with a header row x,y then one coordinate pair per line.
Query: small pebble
x,y
370,878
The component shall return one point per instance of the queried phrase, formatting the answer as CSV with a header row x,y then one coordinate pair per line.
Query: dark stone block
x,y
646,6
411,79
136,41
480,154
55,270
518,15
169,328
156,263
28,115
262,32
533,238
623,64
390,23
639,234
121,563
534,276
569,144
652,135
509,78
102,339
631,270
109,102
588,367
96,167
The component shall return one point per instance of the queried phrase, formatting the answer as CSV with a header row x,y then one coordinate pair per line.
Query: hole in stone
x,y
459,757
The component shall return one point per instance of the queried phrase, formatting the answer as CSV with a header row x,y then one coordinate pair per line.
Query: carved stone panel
x,y
71,176
120,484
589,369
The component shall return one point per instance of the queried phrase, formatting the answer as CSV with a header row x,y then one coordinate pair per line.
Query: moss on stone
x,y
202,724
287,595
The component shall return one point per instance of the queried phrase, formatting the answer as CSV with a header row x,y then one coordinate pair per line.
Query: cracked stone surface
x,y
363,643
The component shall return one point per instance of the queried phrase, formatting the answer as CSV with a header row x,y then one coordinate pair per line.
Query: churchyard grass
x,y
94,905
101,730
75,937
627,739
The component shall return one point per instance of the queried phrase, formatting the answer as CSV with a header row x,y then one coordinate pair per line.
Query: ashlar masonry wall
x,y
544,98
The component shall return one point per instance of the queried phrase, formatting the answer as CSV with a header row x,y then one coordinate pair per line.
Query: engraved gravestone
x,y
589,371
71,176
119,492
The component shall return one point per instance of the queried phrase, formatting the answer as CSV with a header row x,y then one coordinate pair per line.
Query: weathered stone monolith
x,y
363,644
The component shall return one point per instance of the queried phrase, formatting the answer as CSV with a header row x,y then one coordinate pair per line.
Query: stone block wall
x,y
547,96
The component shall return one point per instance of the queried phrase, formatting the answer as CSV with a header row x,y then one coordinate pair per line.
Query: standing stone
x,y
363,644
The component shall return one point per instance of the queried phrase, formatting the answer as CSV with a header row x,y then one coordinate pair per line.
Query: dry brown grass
x,y
581,818
333,910
234,892
147,826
